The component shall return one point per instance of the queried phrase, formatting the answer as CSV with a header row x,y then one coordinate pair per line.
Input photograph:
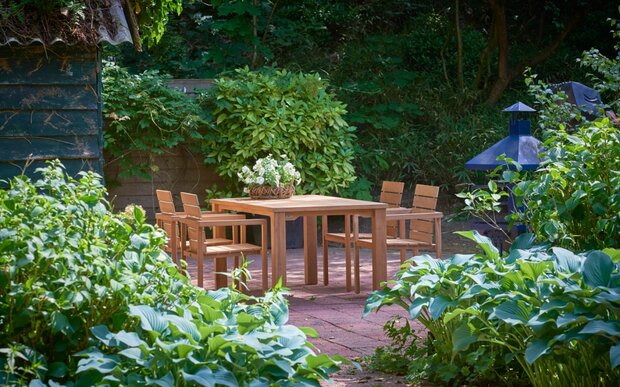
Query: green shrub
x,y
278,112
88,296
544,313
573,199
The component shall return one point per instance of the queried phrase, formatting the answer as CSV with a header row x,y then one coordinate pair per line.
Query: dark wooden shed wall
x,y
50,107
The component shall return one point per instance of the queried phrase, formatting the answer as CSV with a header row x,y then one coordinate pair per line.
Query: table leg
x,y
347,249
200,256
438,238
278,248
221,281
379,248
174,241
310,251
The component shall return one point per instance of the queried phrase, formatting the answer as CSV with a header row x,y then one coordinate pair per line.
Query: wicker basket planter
x,y
267,192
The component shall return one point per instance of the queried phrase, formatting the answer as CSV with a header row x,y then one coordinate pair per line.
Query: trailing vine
x,y
142,113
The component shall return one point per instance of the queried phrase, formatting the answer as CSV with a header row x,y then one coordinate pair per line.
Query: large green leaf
x,y
608,327
150,319
614,355
130,339
597,269
462,338
484,242
614,254
184,325
513,312
536,350
104,335
247,322
523,241
438,305
164,381
224,377
203,377
533,270
98,362
416,306
566,261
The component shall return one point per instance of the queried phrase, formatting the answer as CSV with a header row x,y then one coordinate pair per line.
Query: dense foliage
x,y
143,114
547,315
415,76
279,112
88,296
572,200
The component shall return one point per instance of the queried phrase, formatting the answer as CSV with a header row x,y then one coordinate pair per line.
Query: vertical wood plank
x,y
310,250
379,248
278,247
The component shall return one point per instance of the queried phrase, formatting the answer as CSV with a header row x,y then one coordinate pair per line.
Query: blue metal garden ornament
x,y
519,145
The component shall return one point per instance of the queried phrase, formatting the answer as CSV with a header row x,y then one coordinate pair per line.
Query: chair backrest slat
x,y
424,200
191,205
392,195
166,206
166,203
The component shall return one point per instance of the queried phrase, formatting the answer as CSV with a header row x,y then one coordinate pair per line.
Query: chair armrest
x,y
398,210
230,221
415,215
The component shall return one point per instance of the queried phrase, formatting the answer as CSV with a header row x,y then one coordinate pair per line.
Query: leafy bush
x,y
143,114
573,199
278,112
88,296
544,313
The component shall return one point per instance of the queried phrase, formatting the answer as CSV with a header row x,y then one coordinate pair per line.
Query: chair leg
x,y
403,255
199,257
263,256
356,266
356,262
238,281
347,251
325,252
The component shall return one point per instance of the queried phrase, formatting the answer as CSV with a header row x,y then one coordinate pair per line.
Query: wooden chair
x,y
424,228
167,220
199,246
391,193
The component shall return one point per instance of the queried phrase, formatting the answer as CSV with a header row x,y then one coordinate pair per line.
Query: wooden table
x,y
310,206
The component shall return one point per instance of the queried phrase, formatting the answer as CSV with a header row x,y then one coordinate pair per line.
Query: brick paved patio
x,y
337,314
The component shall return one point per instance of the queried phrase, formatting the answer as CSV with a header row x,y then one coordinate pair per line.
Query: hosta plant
x,y
89,297
548,313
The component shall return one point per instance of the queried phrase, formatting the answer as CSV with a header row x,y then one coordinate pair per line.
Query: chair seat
x,y
214,242
231,249
394,242
340,236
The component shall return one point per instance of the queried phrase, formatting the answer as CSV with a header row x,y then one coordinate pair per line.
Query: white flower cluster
x,y
268,171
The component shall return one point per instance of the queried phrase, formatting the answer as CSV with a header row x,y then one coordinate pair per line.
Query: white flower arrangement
x,y
270,172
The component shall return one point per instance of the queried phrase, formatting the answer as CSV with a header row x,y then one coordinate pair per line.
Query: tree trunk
x,y
504,74
459,45
500,29
485,58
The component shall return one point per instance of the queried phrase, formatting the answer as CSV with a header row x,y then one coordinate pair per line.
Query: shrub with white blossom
x,y
270,172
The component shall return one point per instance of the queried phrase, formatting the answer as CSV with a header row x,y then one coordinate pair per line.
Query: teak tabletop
x,y
310,207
